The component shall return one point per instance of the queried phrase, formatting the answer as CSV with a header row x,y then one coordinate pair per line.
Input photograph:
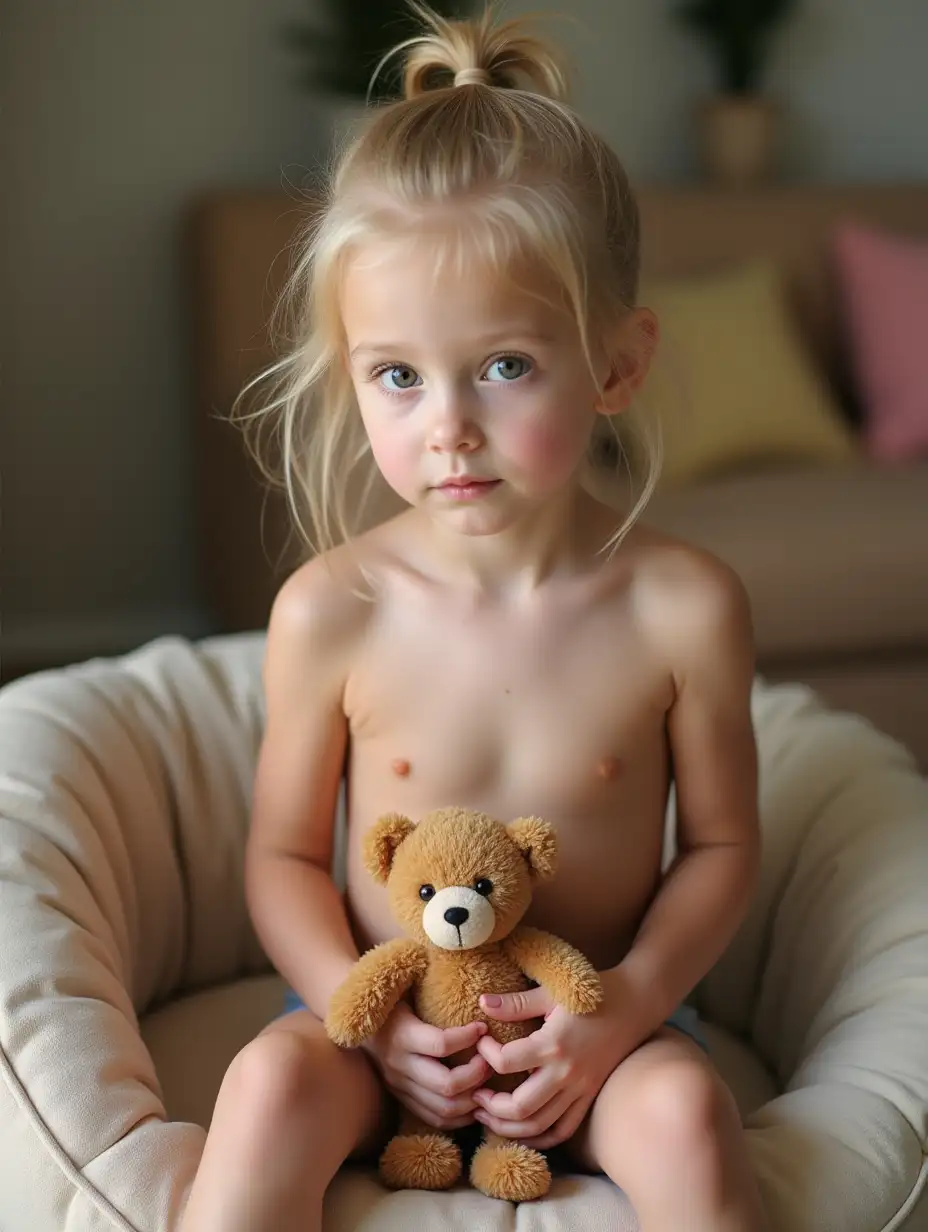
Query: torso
x,y
555,707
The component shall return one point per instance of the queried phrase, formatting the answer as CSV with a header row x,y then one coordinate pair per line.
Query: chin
x,y
479,523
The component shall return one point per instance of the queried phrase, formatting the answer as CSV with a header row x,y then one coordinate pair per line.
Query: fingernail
x,y
492,1001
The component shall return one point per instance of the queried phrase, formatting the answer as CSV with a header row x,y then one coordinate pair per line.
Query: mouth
x,y
467,488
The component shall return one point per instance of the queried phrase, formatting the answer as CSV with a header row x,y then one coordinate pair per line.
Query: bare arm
x,y
704,630
295,906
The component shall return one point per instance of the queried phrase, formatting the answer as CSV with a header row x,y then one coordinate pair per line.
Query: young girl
x,y
505,643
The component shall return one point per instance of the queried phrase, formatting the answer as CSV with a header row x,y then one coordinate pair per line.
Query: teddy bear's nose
x,y
456,916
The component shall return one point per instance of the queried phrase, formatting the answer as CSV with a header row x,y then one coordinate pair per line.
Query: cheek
x,y
549,450
392,449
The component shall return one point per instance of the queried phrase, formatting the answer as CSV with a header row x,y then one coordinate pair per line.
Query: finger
x,y
526,1100
562,1130
516,1056
518,1006
440,1081
533,1126
468,1076
430,1118
418,1036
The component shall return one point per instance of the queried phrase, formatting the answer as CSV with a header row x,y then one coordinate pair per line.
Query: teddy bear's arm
x,y
364,1000
558,967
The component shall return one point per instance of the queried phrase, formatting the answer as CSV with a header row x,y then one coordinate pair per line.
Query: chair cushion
x,y
825,574
885,283
732,385
194,1039
123,812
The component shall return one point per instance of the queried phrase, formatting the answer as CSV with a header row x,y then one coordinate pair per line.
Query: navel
x,y
609,768
400,767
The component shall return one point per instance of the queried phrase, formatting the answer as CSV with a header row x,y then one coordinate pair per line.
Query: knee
x,y
283,1073
684,1107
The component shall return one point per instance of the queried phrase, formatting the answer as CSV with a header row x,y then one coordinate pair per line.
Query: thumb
x,y
517,1006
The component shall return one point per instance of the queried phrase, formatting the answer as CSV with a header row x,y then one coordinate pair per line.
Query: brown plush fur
x,y
457,849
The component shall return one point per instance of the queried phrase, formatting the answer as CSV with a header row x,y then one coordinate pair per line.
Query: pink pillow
x,y
885,282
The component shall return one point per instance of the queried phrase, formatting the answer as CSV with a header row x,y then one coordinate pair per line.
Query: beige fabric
x,y
787,533
123,808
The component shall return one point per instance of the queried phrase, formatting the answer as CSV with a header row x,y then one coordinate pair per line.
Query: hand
x,y
570,1057
405,1051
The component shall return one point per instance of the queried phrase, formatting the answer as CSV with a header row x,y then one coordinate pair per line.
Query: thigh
x,y
667,1092
349,1074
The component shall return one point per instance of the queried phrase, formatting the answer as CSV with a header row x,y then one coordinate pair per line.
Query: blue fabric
x,y
292,1002
684,1018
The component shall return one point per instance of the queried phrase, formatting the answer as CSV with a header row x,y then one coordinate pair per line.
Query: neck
x,y
550,540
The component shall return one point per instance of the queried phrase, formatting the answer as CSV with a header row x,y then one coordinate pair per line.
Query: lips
x,y
466,488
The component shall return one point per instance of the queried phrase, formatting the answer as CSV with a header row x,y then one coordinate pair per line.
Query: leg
x,y
666,1130
292,1108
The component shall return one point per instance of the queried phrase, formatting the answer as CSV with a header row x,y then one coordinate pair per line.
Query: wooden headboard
x,y
241,250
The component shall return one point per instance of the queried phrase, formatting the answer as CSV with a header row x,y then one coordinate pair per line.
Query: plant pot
x,y
737,139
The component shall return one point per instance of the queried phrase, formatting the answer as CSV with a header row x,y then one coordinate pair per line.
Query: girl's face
x,y
465,376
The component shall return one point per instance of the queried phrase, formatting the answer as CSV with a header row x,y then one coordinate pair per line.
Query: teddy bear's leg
x,y
420,1157
505,1169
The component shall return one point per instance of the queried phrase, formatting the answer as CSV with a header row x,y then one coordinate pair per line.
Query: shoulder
x,y
330,602
692,604
322,600
319,618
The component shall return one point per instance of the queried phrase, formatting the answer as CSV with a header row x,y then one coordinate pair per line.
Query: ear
x,y
381,843
630,349
537,841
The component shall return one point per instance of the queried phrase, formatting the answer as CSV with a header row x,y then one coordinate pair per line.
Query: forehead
x,y
435,286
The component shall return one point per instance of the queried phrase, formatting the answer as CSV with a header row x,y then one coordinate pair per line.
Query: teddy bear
x,y
459,884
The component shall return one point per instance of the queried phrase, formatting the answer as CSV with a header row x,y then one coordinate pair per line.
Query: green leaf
x,y
738,32
340,57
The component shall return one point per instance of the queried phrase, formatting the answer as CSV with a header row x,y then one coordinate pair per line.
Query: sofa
x,y
130,975
834,557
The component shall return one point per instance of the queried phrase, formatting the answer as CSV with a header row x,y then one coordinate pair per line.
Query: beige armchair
x,y
130,975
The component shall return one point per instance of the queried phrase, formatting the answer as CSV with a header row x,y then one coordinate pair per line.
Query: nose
x,y
453,429
456,916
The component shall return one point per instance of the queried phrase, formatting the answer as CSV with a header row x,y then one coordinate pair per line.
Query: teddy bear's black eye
x,y
426,892
483,886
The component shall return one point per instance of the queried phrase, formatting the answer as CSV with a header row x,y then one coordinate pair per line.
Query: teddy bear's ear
x,y
381,842
537,841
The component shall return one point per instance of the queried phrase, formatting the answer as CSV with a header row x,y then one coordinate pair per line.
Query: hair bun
x,y
473,77
479,52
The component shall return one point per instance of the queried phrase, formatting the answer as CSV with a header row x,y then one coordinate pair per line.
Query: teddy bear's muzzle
x,y
458,918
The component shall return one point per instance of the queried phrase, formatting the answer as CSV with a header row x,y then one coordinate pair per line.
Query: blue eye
x,y
508,368
402,377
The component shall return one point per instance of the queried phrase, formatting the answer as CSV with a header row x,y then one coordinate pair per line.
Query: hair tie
x,y
472,77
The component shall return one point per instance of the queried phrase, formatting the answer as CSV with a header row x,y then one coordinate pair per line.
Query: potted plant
x,y
340,53
738,126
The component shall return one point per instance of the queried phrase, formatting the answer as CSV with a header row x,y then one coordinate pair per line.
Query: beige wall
x,y
115,115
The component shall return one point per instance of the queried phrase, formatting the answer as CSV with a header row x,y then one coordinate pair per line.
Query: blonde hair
x,y
484,133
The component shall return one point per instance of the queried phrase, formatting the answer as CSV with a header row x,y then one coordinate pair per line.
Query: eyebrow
x,y
398,348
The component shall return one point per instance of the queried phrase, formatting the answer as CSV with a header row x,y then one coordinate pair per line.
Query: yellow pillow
x,y
730,382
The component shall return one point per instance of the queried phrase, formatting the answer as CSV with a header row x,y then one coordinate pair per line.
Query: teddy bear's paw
x,y
420,1161
510,1171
